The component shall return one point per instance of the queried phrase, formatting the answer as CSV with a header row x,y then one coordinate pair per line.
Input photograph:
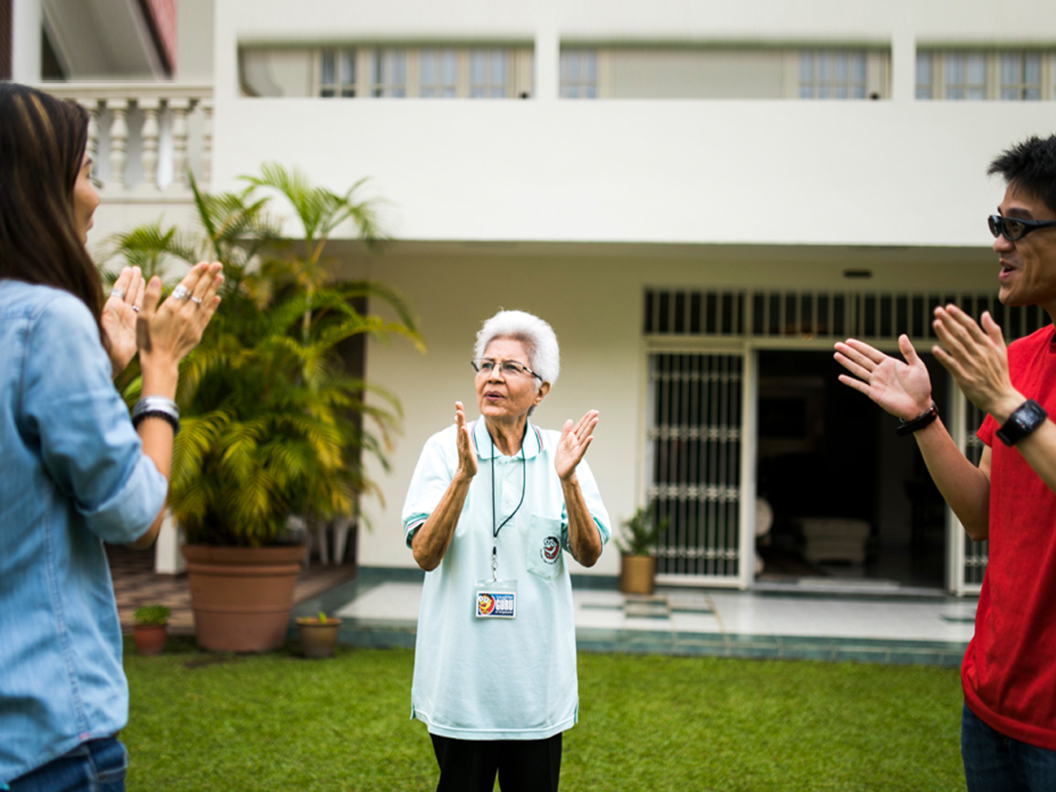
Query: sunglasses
x,y
1014,229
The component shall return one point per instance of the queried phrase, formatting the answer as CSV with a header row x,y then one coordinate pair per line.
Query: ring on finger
x,y
135,308
180,292
117,293
196,300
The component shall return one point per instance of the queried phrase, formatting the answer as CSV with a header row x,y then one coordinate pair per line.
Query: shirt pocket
x,y
543,547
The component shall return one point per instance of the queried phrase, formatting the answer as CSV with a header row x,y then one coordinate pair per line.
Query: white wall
x,y
896,172
594,304
737,172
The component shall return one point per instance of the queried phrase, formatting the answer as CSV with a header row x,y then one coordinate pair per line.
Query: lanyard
x,y
494,518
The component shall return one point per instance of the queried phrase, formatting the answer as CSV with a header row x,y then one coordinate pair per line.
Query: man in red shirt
x,y
1008,726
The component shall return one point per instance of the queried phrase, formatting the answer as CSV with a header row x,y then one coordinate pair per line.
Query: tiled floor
x,y
135,584
933,630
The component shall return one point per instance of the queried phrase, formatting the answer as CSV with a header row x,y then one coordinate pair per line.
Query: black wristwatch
x,y
1024,419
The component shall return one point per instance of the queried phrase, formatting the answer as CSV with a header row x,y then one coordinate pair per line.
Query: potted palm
x,y
637,562
150,628
273,421
318,634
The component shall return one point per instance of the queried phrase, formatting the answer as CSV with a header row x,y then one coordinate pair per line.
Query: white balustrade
x,y
143,137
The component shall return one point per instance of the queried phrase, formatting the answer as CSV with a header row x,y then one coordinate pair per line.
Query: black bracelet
x,y
909,427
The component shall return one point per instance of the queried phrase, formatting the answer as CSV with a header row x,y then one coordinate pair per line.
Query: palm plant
x,y
641,533
273,423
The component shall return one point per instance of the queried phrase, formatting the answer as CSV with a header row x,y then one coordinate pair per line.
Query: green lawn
x,y
215,722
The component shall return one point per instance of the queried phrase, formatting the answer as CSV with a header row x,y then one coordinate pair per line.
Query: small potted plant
x,y
637,562
150,625
318,634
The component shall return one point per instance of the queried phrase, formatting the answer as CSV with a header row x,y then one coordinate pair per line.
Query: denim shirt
x,y
72,474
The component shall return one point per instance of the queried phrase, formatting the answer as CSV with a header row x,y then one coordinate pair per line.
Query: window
x,y
388,73
487,74
1021,76
437,74
579,74
831,74
337,73
924,75
965,75
1009,75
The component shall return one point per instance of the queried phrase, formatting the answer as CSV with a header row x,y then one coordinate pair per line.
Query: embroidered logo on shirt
x,y
551,548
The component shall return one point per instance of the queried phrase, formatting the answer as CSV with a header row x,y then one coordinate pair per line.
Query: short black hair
x,y
1030,166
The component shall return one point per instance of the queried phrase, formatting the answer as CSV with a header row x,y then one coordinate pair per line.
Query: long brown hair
x,y
42,144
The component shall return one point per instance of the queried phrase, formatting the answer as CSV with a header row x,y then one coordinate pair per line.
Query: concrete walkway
x,y
779,623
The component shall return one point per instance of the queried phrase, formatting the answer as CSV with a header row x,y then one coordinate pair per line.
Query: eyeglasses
x,y
509,368
1013,229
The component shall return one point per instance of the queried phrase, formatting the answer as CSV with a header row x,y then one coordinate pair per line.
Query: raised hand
x,y
902,389
467,455
575,439
169,331
976,359
119,317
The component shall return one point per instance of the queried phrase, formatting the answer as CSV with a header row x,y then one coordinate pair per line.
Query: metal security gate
x,y
969,558
693,460
700,419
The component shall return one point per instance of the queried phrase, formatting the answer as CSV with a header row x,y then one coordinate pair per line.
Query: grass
x,y
223,722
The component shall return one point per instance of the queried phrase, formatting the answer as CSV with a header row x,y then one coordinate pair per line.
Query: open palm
x,y
575,439
901,388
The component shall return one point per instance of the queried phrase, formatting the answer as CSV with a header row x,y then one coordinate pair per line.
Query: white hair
x,y
544,357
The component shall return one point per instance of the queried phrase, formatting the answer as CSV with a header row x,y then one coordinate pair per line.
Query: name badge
x,y
496,599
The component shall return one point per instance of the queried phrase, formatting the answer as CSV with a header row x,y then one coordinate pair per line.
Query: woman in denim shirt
x,y
75,471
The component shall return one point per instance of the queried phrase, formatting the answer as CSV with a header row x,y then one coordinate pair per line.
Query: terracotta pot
x,y
637,574
150,638
242,596
317,638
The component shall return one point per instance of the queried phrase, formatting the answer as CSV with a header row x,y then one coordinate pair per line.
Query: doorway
x,y
850,500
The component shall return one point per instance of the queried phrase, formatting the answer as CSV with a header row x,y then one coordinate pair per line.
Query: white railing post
x,y
207,141
179,109
92,147
150,133
118,141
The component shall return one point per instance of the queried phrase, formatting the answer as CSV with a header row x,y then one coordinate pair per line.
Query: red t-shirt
x,y
1009,669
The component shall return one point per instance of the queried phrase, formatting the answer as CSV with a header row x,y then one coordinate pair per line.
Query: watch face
x,y
1023,420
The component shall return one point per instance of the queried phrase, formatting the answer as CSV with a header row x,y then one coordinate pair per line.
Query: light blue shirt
x,y
72,474
498,679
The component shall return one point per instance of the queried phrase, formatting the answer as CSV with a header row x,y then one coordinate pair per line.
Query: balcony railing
x,y
145,137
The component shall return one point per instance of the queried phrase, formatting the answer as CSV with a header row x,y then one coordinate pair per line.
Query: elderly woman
x,y
491,506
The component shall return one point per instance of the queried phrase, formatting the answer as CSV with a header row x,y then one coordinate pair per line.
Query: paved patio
x,y
380,608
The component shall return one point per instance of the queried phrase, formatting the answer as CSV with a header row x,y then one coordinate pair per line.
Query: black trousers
x,y
522,765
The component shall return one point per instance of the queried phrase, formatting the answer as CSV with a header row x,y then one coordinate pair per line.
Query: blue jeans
x,y
94,766
996,763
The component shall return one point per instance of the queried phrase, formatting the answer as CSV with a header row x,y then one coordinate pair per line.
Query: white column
x,y
168,560
118,141
149,135
547,64
903,66
27,22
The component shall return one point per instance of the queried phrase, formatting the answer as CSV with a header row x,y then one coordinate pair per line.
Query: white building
x,y
665,184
